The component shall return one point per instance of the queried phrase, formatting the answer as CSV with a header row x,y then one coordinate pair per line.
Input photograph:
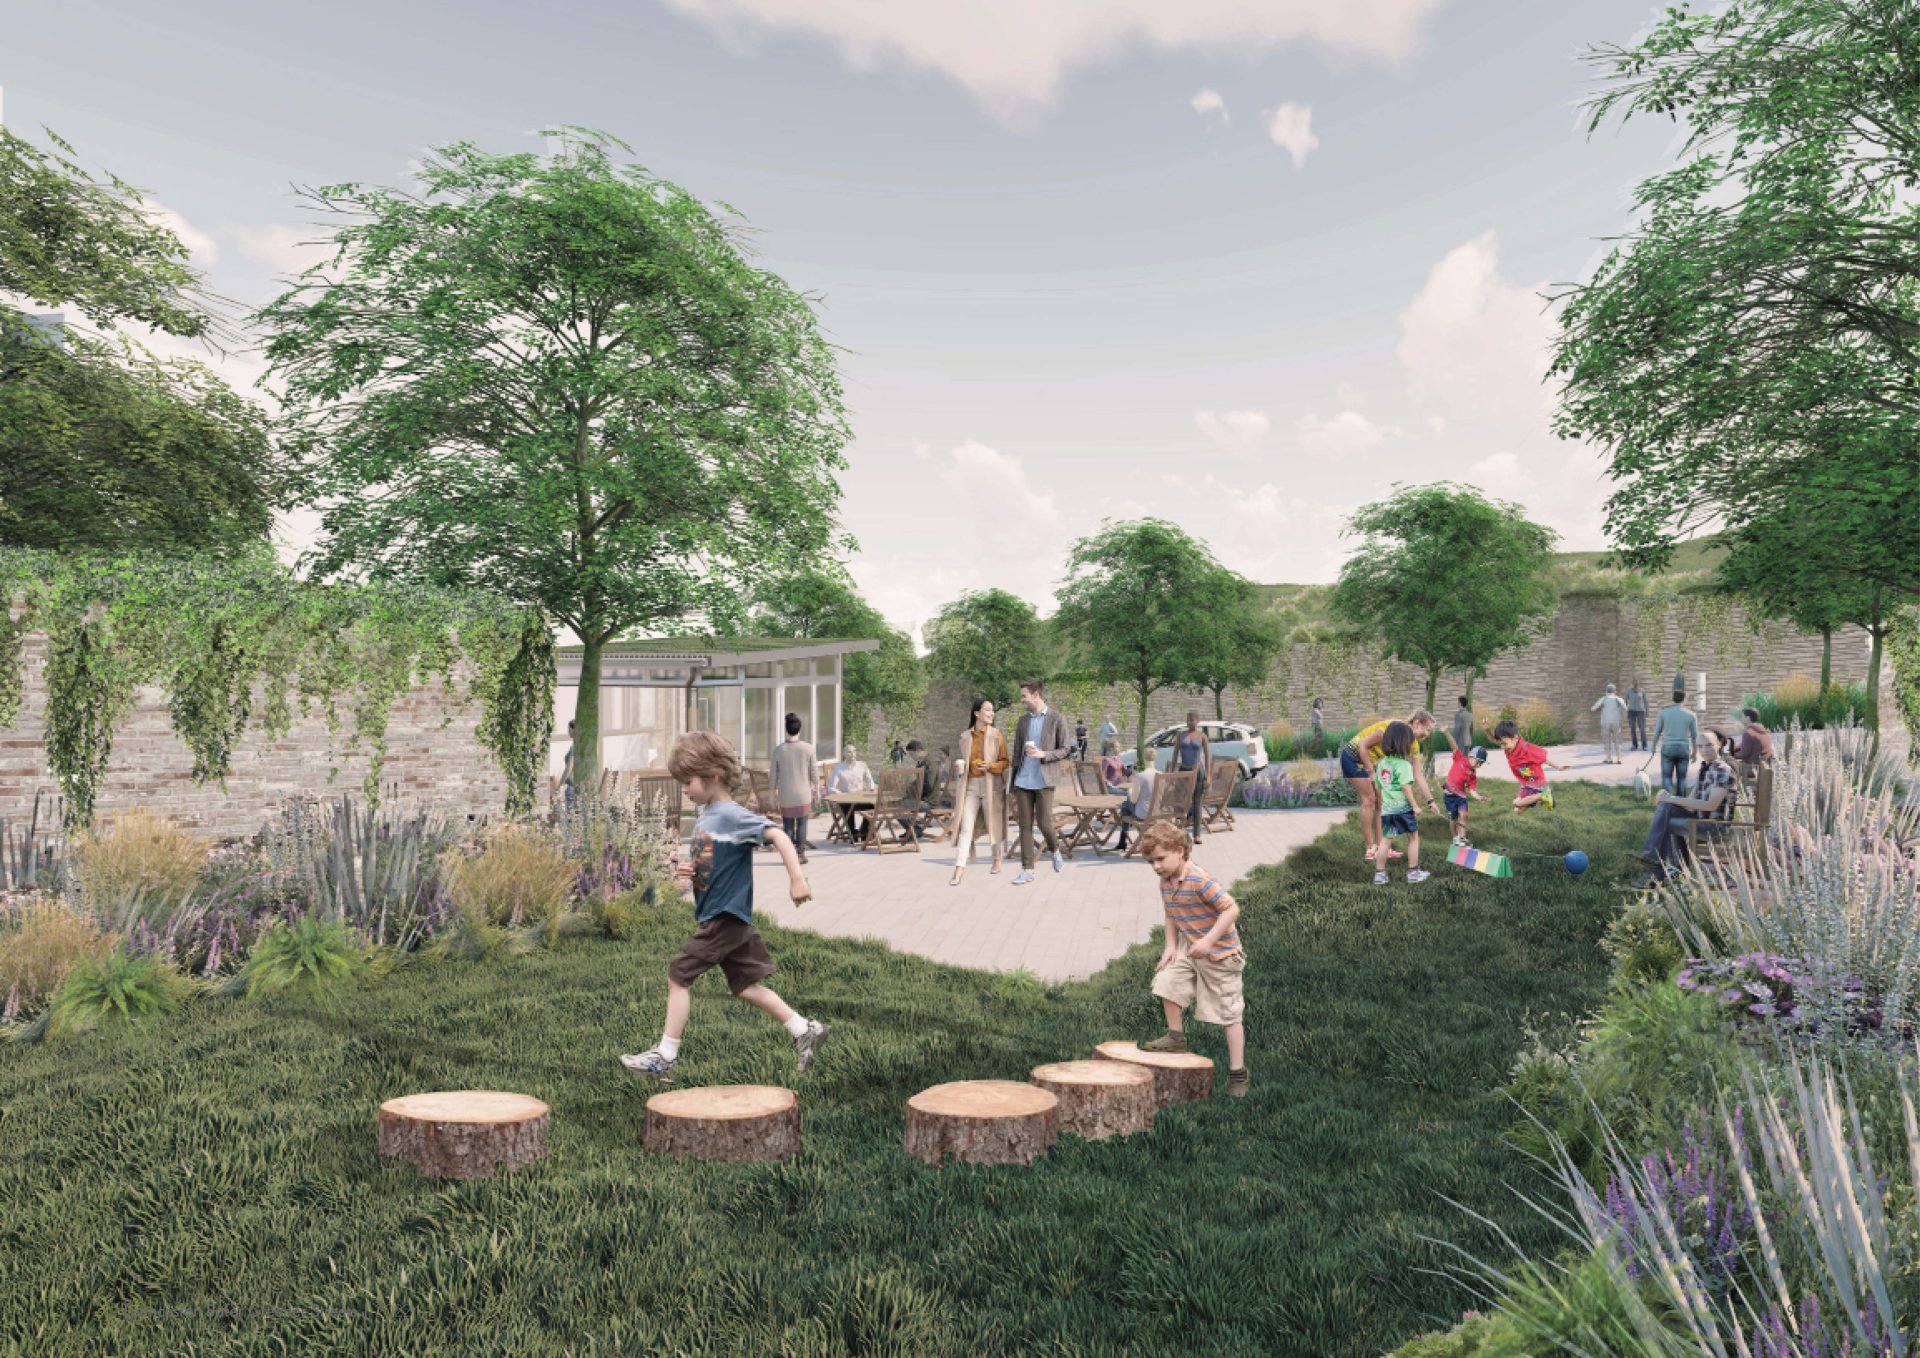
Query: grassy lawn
x,y
225,1160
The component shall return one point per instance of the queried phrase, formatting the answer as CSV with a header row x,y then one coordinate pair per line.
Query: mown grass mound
x,y
210,1185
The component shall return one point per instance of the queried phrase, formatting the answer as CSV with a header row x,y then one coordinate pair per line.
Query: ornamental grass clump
x,y
140,865
115,990
306,956
522,876
41,943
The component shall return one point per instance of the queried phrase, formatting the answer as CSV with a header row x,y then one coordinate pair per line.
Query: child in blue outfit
x,y
725,834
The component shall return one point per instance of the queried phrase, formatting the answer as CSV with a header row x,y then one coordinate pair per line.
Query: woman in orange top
x,y
1359,755
980,772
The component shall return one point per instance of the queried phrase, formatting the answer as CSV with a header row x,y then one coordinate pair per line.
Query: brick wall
x,y
443,768
1592,640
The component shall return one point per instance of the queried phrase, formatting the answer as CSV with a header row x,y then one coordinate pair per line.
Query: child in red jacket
x,y
1529,764
1463,781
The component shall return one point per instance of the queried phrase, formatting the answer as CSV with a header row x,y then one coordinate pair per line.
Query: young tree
x,y
562,380
1239,638
1133,608
821,603
1446,579
988,640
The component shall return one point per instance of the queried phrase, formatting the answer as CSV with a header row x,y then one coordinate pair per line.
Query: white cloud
x,y
204,249
1501,476
922,452
286,250
1235,431
1209,101
1291,127
1437,423
1345,434
1012,55
1477,344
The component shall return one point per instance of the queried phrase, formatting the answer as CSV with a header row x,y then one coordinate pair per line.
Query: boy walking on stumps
x,y
1203,962
725,834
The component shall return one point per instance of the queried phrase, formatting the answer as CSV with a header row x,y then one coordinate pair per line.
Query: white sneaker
x,y
1380,879
1459,841
1059,860
1418,875
1025,875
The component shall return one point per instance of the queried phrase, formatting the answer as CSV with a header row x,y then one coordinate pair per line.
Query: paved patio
x,y
1066,925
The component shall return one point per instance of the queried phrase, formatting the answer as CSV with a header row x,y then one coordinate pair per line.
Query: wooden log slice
x,y
1178,1077
981,1122
1099,1099
725,1122
464,1133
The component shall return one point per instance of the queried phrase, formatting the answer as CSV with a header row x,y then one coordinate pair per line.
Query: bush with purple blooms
x,y
1273,790
1695,1194
1767,993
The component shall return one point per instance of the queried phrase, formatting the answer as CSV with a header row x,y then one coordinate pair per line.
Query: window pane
x,y
826,739
760,670
796,669
827,666
760,725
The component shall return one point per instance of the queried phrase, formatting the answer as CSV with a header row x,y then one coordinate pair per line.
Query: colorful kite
x,y
1479,860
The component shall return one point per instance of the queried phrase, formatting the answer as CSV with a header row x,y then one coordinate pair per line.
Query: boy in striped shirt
x,y
1203,962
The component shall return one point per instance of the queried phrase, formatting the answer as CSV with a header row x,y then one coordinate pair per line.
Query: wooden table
x,y
1093,822
841,806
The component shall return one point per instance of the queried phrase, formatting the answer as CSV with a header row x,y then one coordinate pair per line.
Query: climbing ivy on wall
x,y
209,632
1903,653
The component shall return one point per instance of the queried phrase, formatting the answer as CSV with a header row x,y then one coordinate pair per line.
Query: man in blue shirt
x,y
1039,744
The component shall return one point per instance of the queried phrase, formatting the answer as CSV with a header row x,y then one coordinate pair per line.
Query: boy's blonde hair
x,y
705,754
1163,837
1421,714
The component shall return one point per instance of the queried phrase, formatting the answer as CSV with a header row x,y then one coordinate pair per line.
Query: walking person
x,y
1317,721
796,781
1675,732
981,770
566,769
1611,707
1040,739
1462,732
1109,734
1192,753
1637,715
1080,738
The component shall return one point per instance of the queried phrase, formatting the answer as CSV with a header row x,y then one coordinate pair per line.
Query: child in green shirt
x,y
1394,775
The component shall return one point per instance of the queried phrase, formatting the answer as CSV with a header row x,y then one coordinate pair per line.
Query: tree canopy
x,y
988,640
1239,636
1445,579
821,602
559,378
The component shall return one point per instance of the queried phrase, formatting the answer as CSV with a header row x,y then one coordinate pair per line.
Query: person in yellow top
x,y
1357,759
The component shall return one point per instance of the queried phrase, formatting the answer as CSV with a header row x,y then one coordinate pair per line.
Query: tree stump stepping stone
x,y
1099,1099
981,1122
1178,1077
464,1133
725,1122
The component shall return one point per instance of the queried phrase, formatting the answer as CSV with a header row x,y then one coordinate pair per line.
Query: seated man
x,y
1756,742
1714,801
851,774
1139,800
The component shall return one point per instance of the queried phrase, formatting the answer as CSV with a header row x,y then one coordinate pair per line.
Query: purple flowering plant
x,y
1765,992
1698,1193
1274,790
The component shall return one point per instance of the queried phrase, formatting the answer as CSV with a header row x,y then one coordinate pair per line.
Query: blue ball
x,y
1576,862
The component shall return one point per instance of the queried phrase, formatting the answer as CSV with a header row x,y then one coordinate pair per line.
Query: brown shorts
x,y
729,943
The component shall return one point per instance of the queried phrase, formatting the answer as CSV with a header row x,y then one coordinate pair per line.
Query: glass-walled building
x,y
652,692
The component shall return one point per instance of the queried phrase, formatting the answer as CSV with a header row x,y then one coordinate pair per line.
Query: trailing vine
x,y
211,633
1902,650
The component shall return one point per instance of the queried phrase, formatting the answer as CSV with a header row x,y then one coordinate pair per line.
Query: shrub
x,y
522,877
1335,792
116,989
1304,772
1275,790
1798,700
138,866
618,915
377,870
40,945
317,957
1765,994
1643,946
1301,744
1278,735
1473,1337
1796,691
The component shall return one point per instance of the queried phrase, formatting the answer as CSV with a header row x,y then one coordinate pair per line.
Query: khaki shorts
x,y
1211,985
729,943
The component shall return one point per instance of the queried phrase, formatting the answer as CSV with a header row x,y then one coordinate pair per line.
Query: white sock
x,y
797,1025
670,1047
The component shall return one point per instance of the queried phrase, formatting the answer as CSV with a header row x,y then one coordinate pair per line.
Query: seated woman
x,y
1756,742
1113,774
1713,800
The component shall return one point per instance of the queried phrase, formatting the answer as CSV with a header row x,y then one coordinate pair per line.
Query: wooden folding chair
x,y
1696,831
893,827
943,813
642,789
1172,800
1216,813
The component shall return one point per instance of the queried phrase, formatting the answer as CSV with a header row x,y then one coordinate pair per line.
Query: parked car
x,y
1230,740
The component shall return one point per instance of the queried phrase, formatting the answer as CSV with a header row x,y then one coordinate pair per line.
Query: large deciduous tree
x,y
988,640
560,378
1446,579
821,603
1240,634
1134,608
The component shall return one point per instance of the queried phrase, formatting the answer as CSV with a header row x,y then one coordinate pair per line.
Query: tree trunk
x,y
1878,633
1826,659
1099,1099
1219,699
464,1134
1433,686
725,1122
1470,677
1140,749
981,1122
586,720
1178,1077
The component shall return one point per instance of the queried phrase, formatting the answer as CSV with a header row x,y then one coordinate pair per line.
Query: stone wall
x,y
1592,640
428,764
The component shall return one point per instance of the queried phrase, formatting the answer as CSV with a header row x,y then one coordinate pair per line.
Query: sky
x,y
1241,264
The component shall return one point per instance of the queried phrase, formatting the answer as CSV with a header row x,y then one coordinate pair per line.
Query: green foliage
x,y
70,239
988,640
116,990
613,415
1589,1305
1238,637
1838,705
821,602
104,447
1473,1337
209,631
1445,579
1644,946
309,956
1903,650
1392,1013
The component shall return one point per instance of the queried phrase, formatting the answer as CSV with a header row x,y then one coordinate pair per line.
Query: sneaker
x,y
1024,876
1380,878
1237,1082
652,1062
1418,875
1395,853
808,1043
1168,1041
1059,860
1546,800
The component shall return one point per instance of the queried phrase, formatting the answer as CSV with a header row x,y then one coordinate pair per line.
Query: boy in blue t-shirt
x,y
725,834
